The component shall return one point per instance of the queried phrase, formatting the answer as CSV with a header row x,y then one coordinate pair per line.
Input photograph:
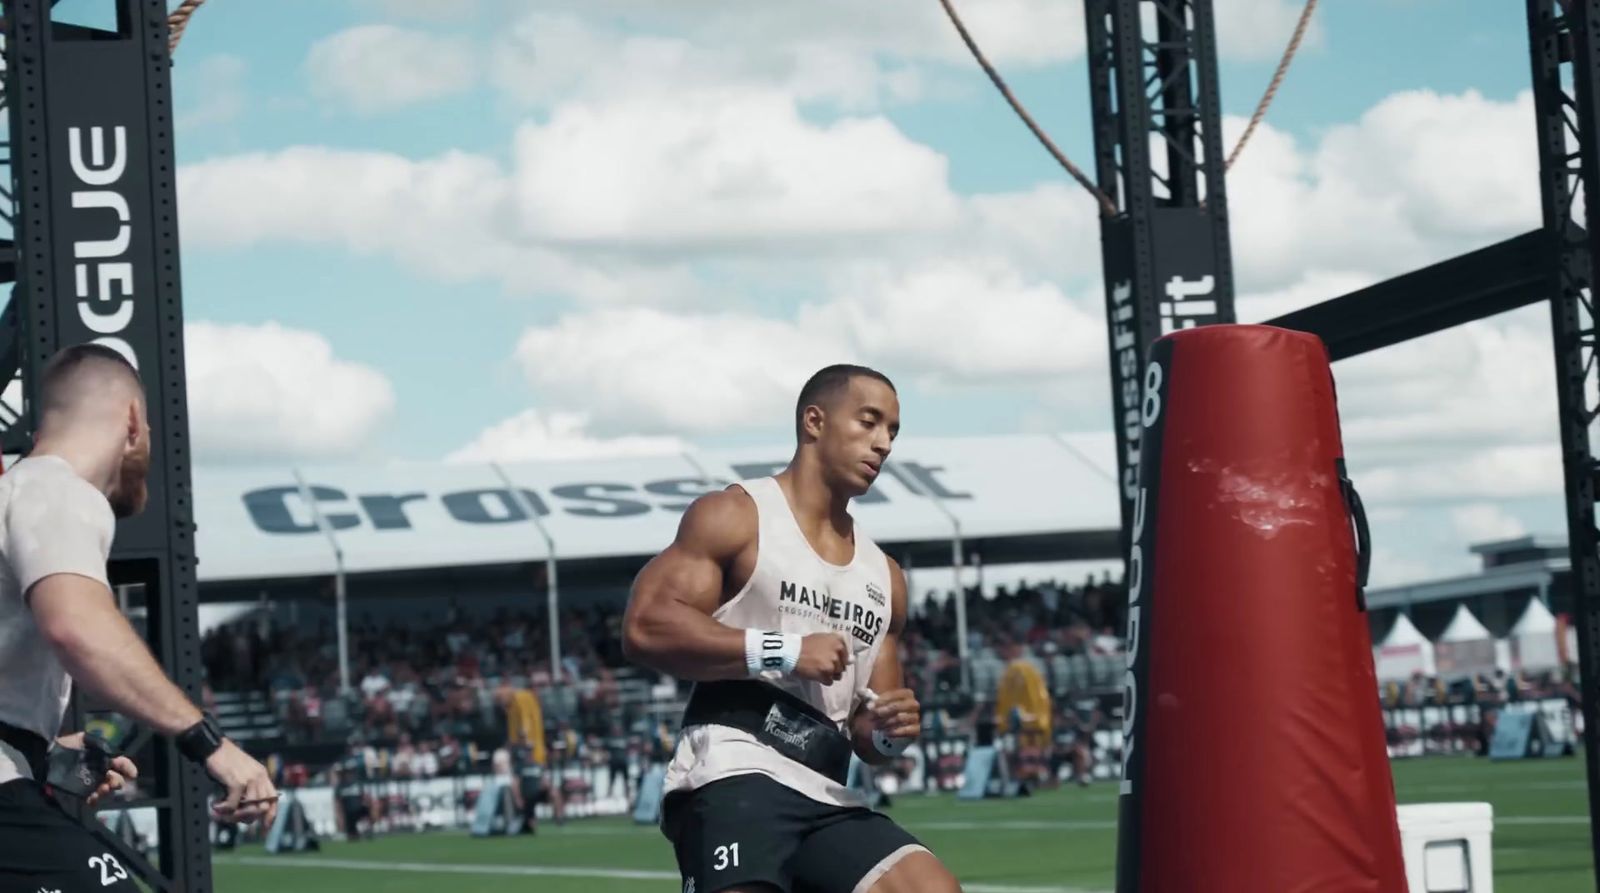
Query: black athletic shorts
x,y
749,829
43,848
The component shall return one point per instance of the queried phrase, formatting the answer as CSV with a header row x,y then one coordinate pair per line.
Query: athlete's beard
x,y
132,491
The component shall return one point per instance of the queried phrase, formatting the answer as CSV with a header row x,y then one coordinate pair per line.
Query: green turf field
x,y
1051,843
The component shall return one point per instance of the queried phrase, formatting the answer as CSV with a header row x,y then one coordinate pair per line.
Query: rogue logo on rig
x,y
102,275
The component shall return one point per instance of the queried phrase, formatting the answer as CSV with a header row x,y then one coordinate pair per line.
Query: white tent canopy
x,y
1534,646
1464,627
1405,651
1404,632
1466,648
1535,619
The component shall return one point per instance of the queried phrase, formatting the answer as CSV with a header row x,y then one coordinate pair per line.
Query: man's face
x,y
858,431
132,490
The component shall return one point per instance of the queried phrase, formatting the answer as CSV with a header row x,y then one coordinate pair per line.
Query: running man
x,y
787,618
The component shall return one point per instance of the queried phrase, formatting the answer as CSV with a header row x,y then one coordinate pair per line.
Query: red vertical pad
x,y
1257,762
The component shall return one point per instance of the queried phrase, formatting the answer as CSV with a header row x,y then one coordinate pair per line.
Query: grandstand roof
x,y
1056,493
1535,573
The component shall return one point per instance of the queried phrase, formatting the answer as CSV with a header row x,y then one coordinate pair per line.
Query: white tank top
x,y
794,590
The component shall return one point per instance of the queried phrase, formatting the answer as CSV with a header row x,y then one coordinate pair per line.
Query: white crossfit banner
x,y
254,523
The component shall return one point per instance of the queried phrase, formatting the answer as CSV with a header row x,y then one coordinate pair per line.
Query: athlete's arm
x,y
668,626
896,712
104,654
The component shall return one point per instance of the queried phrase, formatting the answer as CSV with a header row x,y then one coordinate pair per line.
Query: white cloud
x,y
532,435
267,391
720,169
450,217
853,54
1419,178
1488,383
1260,29
376,68
641,369
544,60
1051,229
1313,287
1398,567
958,321
964,320
1485,521
608,202
1505,472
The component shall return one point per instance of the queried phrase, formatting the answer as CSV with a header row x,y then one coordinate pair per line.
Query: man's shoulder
x,y
43,498
48,476
721,513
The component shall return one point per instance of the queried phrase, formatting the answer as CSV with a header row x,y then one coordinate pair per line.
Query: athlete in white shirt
x,y
787,617
60,626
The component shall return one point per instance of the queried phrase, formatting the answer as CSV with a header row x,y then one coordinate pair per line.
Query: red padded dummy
x,y
1255,756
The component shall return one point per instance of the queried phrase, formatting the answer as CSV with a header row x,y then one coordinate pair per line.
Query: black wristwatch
x,y
201,740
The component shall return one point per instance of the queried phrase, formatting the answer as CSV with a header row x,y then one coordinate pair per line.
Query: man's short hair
x,y
827,384
70,364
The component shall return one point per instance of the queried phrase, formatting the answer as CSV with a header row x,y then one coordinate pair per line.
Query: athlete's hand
x,y
897,714
823,658
118,774
251,794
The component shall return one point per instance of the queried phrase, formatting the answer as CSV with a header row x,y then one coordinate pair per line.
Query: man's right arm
x,y
104,654
668,625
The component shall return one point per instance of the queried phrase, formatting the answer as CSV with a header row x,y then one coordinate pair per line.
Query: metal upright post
x,y
1165,253
95,258
341,617
1565,50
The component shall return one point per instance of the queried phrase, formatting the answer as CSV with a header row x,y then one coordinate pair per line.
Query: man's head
x,y
849,415
91,397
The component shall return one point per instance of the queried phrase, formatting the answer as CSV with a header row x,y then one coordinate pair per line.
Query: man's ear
x,y
812,420
135,423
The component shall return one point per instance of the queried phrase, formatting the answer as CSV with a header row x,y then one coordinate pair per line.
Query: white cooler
x,y
1446,847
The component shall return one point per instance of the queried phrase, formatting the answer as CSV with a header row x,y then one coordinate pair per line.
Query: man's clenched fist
x,y
823,658
896,714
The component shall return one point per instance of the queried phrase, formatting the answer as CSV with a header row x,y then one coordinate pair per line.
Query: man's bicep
x,y
60,601
691,569
680,575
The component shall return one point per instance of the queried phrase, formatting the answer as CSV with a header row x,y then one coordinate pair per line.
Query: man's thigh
x,y
44,849
852,852
737,835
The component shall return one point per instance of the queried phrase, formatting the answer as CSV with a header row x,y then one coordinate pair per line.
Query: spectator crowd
x,y
429,675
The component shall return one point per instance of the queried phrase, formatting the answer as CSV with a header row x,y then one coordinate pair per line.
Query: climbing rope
x,y
1277,80
1106,204
1105,201
178,21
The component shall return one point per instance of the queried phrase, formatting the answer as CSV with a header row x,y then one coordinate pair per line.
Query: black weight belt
x,y
32,747
777,719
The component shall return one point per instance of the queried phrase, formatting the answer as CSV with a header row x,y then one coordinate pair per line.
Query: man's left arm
x,y
894,714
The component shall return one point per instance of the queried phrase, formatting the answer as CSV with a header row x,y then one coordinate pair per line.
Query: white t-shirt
x,y
51,522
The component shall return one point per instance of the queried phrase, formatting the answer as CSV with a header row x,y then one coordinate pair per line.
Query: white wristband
x,y
768,651
889,747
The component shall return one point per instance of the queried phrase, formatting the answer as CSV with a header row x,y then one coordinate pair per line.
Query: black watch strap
x,y
198,742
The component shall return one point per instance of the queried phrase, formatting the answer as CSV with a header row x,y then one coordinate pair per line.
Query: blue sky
x,y
402,231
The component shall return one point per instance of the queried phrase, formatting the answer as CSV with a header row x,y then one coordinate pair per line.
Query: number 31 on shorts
x,y
727,856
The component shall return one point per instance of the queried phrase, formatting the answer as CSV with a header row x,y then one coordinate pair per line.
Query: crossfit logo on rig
x,y
1125,344
101,273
